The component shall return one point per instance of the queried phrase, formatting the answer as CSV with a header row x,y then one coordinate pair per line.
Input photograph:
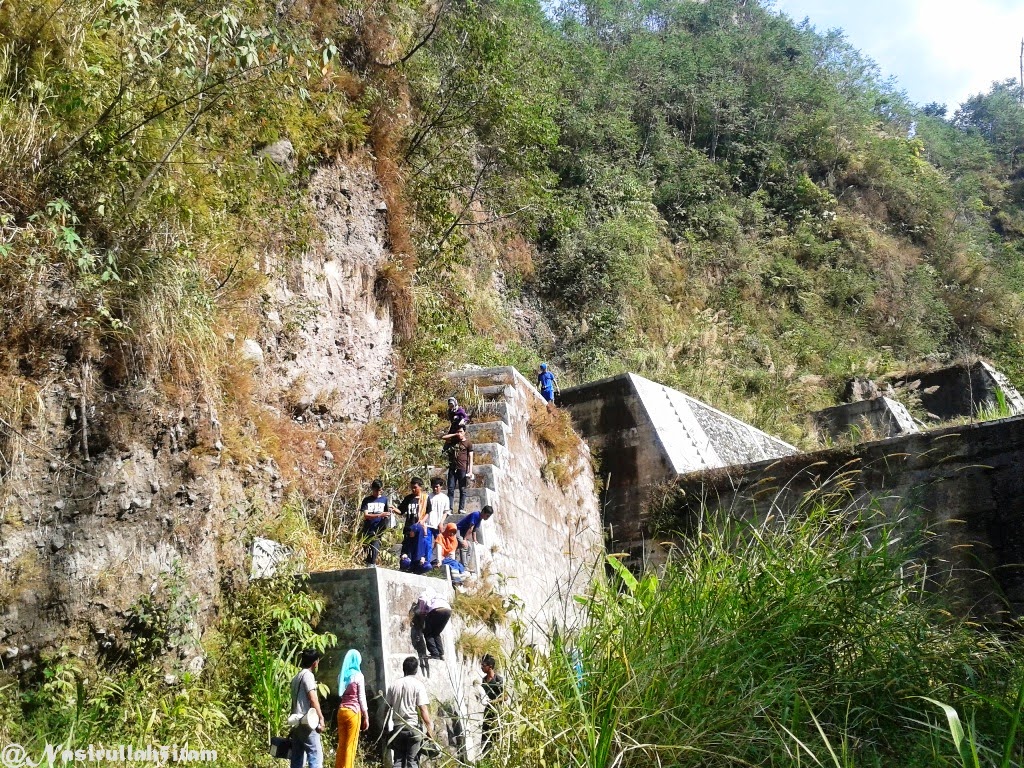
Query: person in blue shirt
x,y
546,383
470,524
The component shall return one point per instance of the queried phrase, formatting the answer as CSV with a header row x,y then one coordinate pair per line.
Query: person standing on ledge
x,y
546,383
408,699
376,516
439,506
460,465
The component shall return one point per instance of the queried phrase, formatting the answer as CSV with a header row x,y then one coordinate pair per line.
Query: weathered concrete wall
x,y
964,484
961,390
544,538
878,418
646,435
368,609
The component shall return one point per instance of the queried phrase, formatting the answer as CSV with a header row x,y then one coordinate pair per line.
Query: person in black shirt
x,y
414,506
376,516
494,687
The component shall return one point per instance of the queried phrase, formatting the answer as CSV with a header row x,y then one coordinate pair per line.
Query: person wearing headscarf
x,y
448,543
457,415
353,714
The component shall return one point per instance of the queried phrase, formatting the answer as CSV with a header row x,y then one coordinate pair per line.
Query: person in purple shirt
x,y
456,415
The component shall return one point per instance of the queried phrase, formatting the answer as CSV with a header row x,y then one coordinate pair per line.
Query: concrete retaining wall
x,y
646,435
964,484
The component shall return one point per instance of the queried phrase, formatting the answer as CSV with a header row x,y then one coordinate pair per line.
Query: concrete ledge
x,y
490,453
489,432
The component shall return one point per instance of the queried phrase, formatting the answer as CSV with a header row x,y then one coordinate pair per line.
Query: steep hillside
x,y
241,245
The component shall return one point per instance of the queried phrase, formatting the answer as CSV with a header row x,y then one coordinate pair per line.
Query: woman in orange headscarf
x,y
449,543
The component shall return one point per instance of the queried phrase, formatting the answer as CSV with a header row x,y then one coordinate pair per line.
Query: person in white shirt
x,y
439,506
430,613
409,705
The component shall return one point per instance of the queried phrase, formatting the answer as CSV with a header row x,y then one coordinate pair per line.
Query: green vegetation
x,y
702,192
805,641
233,703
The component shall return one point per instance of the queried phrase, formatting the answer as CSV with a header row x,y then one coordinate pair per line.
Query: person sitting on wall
x,y
457,416
448,544
431,613
470,524
546,383
415,555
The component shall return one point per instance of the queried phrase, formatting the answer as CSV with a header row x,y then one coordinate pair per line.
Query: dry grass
x,y
552,430
482,604
476,644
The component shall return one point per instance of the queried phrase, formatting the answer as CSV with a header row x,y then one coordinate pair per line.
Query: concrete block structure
x,y
369,610
963,484
874,419
960,391
647,435
545,538
541,547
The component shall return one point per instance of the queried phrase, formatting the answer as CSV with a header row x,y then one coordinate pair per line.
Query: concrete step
x,y
490,453
492,411
495,392
486,377
476,499
489,432
486,476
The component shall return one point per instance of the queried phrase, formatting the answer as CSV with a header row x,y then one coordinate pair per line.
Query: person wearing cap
x,y
546,383
456,415
306,746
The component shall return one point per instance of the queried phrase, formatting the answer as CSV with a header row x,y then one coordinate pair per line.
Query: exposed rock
x,y
281,153
339,334
252,352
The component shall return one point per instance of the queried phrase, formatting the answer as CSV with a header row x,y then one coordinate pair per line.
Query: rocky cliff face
x,y
111,492
328,336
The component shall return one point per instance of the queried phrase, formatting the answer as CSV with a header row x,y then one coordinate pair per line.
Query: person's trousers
x,y
306,748
348,737
405,743
457,479
433,626
489,730
372,549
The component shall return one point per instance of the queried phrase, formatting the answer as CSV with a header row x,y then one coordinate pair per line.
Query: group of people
x,y
409,720
429,539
